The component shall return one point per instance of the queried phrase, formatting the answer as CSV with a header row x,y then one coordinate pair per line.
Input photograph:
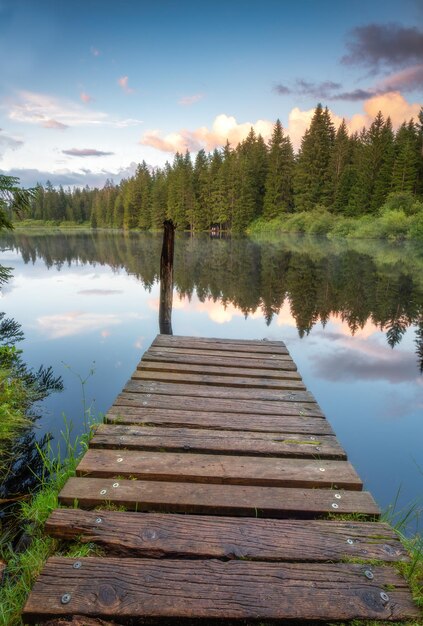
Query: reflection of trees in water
x,y
20,453
356,285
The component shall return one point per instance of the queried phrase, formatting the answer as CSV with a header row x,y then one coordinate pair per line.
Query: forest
x,y
336,173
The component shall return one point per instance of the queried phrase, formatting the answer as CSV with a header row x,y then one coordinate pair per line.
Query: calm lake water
x,y
350,314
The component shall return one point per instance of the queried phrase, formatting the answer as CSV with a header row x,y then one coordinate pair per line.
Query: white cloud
x,y
51,112
75,323
8,142
188,100
224,128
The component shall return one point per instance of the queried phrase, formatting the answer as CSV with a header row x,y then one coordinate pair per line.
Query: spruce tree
x,y
312,181
278,196
201,186
406,165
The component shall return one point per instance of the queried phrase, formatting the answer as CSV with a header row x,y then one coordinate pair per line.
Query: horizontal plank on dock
x,y
216,380
241,355
221,340
209,370
224,393
226,405
219,469
174,418
157,356
183,536
254,348
216,441
212,499
131,588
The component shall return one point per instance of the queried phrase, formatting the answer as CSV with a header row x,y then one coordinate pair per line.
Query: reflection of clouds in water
x,y
363,361
75,323
398,406
100,292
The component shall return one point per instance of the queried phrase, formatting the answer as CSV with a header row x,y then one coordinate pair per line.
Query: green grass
x,y
24,567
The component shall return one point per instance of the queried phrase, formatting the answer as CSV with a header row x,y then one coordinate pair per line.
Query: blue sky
x,y
90,88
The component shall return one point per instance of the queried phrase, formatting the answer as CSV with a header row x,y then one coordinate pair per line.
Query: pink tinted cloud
x,y
123,83
54,124
224,128
188,100
408,79
85,97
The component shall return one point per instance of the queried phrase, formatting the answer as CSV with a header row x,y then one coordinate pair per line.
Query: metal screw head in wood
x,y
115,485
66,598
338,496
119,460
77,565
322,469
369,574
103,492
98,520
384,597
335,506
350,541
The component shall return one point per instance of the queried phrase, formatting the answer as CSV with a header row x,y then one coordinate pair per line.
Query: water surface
x,y
350,314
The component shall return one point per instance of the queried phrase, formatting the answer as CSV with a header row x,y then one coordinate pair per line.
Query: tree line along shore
x,y
336,180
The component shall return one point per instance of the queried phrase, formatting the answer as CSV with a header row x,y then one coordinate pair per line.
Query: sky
x,y
89,89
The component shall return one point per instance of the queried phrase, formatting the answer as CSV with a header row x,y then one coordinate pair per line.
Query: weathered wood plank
x,y
226,393
216,380
200,498
282,363
187,403
131,588
219,469
222,340
234,354
182,536
263,347
216,441
248,422
208,369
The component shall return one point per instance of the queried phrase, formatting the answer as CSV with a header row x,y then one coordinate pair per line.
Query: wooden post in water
x,y
166,278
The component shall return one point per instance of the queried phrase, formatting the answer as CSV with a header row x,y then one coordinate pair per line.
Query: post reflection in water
x,y
351,314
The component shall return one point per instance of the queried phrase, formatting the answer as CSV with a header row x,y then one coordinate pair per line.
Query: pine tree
x,y
201,185
406,165
278,196
312,182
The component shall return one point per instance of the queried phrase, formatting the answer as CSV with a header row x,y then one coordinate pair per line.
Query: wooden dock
x,y
217,490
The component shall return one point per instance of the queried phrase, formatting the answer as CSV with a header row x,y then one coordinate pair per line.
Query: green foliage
x,y
351,175
24,567
20,387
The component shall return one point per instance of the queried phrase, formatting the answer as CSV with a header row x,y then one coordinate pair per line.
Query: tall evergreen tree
x,y
278,196
312,182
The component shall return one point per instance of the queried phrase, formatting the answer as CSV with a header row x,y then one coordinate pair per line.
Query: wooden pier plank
x,y
223,405
220,340
241,355
237,422
184,536
189,343
224,393
216,380
224,360
217,442
220,469
214,499
207,589
209,369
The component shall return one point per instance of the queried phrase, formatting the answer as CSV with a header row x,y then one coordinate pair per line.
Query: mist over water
x,y
350,314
